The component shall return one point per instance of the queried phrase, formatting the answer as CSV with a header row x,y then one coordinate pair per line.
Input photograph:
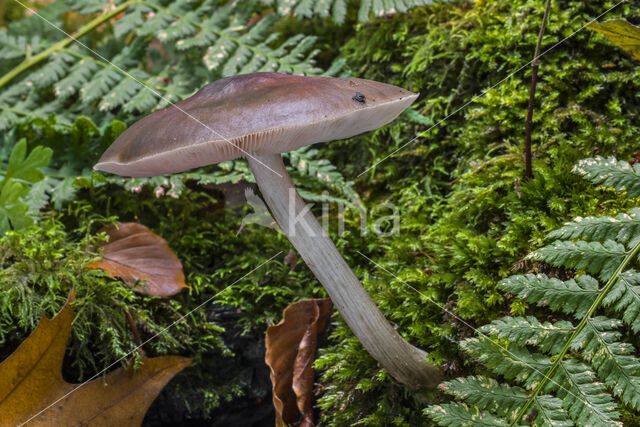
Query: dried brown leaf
x,y
291,348
134,253
31,382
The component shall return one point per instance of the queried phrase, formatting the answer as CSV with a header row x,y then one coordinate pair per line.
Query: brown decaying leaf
x,y
134,252
291,348
31,380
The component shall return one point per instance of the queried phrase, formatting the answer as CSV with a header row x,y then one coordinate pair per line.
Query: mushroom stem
x,y
406,363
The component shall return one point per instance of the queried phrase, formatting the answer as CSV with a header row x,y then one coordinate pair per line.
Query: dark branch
x,y
528,172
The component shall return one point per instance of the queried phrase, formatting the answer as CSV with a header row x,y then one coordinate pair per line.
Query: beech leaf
x,y
291,348
31,381
135,253
621,33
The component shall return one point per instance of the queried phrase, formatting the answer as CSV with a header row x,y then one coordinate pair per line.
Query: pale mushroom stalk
x,y
404,362
259,116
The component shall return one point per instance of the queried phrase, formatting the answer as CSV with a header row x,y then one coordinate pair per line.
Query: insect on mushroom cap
x,y
252,114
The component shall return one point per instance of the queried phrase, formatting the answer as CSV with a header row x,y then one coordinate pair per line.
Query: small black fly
x,y
359,98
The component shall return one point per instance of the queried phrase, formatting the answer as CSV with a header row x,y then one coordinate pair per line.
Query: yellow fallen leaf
x,y
32,388
621,33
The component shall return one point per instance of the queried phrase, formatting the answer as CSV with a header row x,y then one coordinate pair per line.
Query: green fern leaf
x,y
550,412
145,99
593,257
573,296
461,415
601,365
309,196
614,361
304,160
624,298
124,91
38,196
79,75
100,85
515,363
338,8
529,331
611,173
621,228
13,47
584,397
56,68
157,21
132,19
87,7
487,394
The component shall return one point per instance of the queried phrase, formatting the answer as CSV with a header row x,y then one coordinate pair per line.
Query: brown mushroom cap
x,y
252,114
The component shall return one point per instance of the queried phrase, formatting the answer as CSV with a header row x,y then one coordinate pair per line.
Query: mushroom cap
x,y
252,114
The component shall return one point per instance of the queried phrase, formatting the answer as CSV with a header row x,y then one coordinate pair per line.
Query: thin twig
x,y
528,172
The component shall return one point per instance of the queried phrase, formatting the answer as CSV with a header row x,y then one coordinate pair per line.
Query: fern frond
x,y
216,40
584,397
159,52
573,296
132,19
524,331
488,397
461,415
79,75
57,68
515,363
624,298
621,228
593,257
611,173
310,196
614,361
124,91
305,162
232,171
592,366
487,394
338,8
550,412
229,47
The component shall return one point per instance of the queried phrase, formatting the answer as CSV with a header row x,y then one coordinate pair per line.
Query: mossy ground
x,y
467,217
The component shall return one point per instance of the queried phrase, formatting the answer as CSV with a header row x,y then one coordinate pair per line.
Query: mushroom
x,y
259,116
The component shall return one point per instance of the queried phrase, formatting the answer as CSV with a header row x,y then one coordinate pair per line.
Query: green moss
x,y
468,217
39,266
